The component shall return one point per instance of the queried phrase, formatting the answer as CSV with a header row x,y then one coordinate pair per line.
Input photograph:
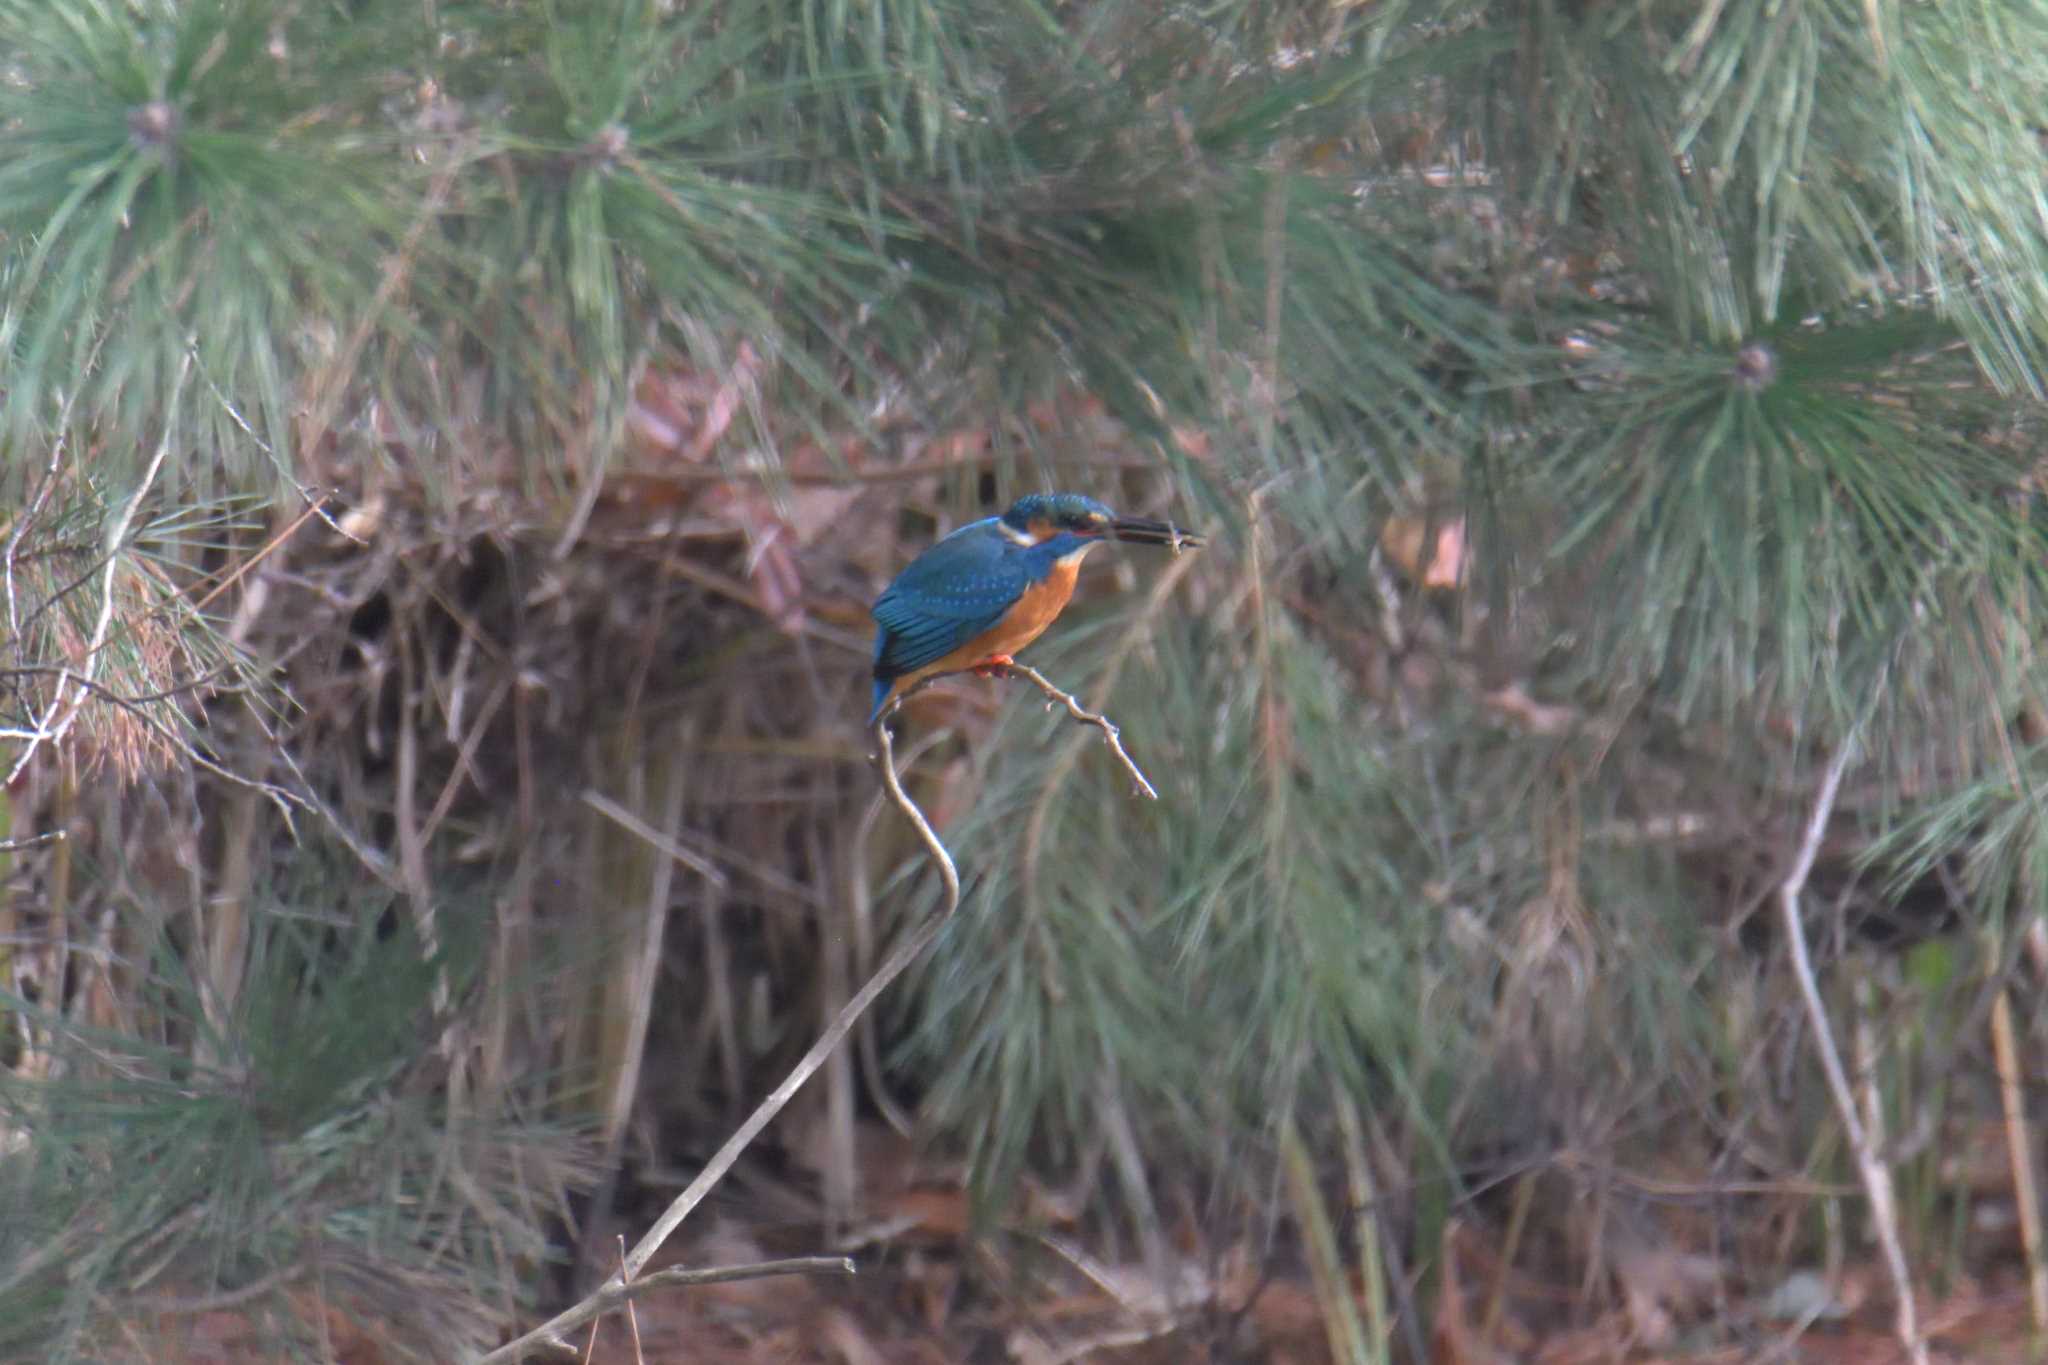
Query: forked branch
x,y
1110,734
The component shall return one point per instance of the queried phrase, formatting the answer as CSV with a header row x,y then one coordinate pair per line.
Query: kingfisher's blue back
x,y
993,586
956,592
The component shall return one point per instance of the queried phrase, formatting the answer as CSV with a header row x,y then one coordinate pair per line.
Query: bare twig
x,y
645,970
654,838
1110,733
588,1355
1870,1164
45,484
22,523
861,896
234,575
214,1303
278,796
614,1293
633,1319
315,505
209,682
723,1274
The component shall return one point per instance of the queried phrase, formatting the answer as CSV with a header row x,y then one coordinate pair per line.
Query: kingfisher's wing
x,y
951,593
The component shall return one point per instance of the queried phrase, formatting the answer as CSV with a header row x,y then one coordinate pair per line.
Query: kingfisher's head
x,y
1038,517
1041,516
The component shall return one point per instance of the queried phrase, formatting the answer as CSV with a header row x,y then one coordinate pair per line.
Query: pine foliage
x,y
1718,333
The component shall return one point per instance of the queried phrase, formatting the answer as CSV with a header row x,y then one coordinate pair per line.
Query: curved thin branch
x,y
1870,1163
549,1334
1110,734
628,1281
1057,696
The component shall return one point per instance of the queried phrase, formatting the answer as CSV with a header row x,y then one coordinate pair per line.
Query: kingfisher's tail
x,y
882,686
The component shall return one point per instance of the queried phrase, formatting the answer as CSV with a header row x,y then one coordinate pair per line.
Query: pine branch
x,y
61,714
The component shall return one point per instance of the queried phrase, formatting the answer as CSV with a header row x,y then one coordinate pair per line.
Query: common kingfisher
x,y
993,586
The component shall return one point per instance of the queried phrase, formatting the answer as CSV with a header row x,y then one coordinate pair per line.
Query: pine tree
x,y
1702,345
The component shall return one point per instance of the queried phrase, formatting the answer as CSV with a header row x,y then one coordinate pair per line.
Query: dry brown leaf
x,y
1443,561
666,407
814,511
1285,1309
771,568
679,410
718,414
639,497
933,1212
1975,1158
1537,718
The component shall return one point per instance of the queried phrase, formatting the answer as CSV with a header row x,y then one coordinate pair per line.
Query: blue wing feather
x,y
951,593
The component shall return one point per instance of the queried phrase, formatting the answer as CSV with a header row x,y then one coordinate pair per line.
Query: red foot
x,y
993,666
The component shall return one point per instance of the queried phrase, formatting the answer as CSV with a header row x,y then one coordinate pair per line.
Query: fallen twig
x,y
612,1293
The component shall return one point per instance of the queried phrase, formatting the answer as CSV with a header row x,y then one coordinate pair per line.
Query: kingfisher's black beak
x,y
1146,531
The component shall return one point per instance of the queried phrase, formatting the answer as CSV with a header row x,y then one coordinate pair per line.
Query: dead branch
x,y
1870,1163
1110,734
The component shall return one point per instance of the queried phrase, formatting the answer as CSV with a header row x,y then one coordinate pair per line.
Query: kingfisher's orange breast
x,y
1037,607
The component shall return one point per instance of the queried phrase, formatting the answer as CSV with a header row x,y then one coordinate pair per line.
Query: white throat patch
x,y
1073,556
